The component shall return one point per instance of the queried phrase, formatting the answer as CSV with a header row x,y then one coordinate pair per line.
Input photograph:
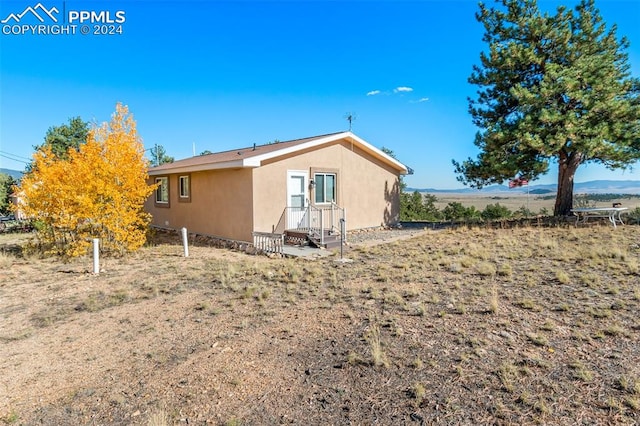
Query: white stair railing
x,y
268,242
313,219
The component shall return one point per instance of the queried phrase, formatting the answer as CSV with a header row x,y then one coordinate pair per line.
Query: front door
x,y
297,195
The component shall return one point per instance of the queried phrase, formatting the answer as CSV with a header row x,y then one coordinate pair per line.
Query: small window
x,y
162,191
325,187
185,189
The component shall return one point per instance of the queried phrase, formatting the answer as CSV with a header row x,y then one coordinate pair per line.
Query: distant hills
x,y
591,187
13,173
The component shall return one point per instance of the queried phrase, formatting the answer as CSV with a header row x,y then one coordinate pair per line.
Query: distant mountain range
x,y
591,187
13,173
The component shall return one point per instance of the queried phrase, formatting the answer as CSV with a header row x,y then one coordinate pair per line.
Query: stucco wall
x,y
221,205
233,203
367,188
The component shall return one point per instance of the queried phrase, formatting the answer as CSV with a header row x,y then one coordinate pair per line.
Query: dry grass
x,y
467,326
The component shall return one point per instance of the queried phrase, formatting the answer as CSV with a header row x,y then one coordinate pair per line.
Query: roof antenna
x,y
351,117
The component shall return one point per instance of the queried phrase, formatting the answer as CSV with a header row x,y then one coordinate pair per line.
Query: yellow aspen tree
x,y
98,192
120,185
47,196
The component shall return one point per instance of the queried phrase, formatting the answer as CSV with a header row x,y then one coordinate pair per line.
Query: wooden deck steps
x,y
301,237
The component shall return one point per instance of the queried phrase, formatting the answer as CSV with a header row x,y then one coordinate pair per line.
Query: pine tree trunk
x,y
566,172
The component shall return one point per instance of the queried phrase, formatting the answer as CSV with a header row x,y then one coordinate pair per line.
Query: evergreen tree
x,y
6,189
59,139
551,87
495,211
159,156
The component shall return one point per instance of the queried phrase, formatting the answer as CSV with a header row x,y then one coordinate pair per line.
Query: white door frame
x,y
296,217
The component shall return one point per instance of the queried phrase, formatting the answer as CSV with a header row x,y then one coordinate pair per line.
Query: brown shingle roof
x,y
236,154
253,155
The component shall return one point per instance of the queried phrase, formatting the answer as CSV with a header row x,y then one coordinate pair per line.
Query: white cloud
x,y
419,101
373,93
402,89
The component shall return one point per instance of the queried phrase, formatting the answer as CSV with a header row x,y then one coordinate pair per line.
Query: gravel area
x,y
382,235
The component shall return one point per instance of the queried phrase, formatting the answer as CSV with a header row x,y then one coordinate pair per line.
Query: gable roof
x,y
253,156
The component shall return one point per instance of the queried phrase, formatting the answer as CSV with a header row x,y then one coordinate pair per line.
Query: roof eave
x,y
236,164
258,159
380,154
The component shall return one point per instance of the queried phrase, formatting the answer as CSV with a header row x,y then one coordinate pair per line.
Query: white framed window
x,y
184,187
162,191
325,187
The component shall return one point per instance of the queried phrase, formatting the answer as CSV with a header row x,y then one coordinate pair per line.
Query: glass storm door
x,y
297,200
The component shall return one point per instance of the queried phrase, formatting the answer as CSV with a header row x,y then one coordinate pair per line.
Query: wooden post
x,y
185,242
96,256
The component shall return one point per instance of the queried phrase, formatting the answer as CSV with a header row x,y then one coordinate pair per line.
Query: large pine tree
x,y
551,87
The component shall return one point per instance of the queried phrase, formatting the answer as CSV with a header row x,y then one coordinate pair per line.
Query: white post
x,y
96,256
185,242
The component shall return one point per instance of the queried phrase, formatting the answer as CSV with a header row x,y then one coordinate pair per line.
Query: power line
x,y
13,159
14,155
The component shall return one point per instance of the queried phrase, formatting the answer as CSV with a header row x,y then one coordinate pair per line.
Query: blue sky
x,y
223,75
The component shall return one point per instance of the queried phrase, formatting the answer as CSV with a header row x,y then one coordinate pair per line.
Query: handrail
x,y
268,242
335,221
313,219
281,226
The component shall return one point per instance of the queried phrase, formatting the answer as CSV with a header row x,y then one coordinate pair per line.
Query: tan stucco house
x,y
322,184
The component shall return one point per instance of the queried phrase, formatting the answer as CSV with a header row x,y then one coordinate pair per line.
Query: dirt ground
x,y
468,326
